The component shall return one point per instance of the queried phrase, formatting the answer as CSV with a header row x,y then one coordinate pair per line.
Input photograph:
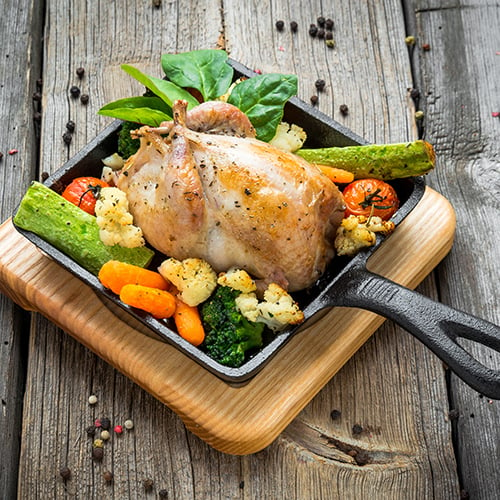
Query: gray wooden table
x,y
432,435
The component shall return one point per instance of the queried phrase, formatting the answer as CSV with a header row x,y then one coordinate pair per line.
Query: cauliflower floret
x,y
357,232
277,310
238,279
194,278
115,221
289,137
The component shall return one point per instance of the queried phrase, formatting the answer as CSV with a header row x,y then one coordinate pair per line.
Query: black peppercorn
x,y
65,473
148,484
321,21
97,453
314,100
163,493
320,84
37,116
357,429
80,72
37,96
426,47
329,24
328,35
67,137
280,25
44,176
321,34
105,423
74,91
91,430
344,109
294,26
39,83
70,125
335,414
313,30
415,93
84,98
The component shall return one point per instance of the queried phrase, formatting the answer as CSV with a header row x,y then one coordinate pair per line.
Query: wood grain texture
x,y
459,82
20,66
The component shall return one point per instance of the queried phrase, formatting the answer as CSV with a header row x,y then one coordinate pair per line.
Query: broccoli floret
x,y
126,145
228,335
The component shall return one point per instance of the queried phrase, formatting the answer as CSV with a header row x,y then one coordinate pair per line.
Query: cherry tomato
x,y
370,197
83,192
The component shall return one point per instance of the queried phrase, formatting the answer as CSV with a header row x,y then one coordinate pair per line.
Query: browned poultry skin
x,y
234,202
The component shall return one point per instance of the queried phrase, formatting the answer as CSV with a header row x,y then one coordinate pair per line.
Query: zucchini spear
x,y
378,161
71,230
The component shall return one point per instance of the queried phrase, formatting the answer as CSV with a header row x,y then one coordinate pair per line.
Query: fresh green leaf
x,y
205,70
168,92
144,110
262,98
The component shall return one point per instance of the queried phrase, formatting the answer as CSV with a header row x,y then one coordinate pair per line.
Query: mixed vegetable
x,y
223,314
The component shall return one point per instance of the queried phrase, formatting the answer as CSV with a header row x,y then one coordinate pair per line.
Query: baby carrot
x,y
159,303
337,175
115,274
188,323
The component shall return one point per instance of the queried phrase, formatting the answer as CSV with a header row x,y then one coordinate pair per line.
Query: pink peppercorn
x,y
97,422
13,151
118,429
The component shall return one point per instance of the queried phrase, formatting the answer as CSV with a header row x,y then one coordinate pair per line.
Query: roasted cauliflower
x,y
289,137
115,221
357,232
237,279
194,278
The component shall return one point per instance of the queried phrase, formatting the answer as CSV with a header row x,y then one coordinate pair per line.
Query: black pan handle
x,y
436,325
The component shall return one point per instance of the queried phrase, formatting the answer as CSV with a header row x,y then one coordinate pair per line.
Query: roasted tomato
x,y
370,197
84,192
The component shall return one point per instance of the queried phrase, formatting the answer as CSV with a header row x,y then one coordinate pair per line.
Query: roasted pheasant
x,y
203,186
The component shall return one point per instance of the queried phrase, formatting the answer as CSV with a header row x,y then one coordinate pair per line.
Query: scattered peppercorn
x,y
330,43
321,33
453,414
128,424
328,35
98,443
320,84
343,109
242,485
67,137
313,30
314,100
97,422
163,493
105,435
108,476
414,93
74,91
44,176
329,24
65,473
335,414
426,47
294,26
37,96
13,151
97,454
410,40
80,72
70,125
84,98
92,399
357,429
37,116
105,423
39,83
91,428
464,495
419,115
118,429
280,25
148,484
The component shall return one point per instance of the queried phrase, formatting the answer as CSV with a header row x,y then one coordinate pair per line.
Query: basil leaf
x,y
205,70
262,98
168,92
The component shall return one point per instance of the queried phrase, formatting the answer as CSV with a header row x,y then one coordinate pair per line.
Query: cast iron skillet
x,y
346,282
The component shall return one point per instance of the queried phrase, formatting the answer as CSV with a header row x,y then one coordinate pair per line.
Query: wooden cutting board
x,y
236,420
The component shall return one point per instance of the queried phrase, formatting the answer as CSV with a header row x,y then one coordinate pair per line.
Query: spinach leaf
x,y
204,70
168,92
144,110
262,98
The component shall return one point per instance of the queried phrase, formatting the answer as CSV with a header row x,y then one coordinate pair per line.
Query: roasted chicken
x,y
203,186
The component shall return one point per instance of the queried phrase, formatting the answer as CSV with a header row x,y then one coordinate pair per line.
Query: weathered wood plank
x,y
459,83
20,35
